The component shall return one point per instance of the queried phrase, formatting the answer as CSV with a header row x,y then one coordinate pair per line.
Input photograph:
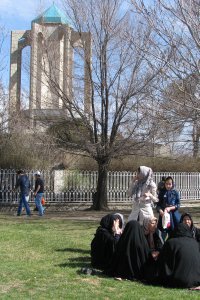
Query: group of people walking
x,y
147,248
23,183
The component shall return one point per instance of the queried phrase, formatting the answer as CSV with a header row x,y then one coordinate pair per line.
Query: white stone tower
x,y
52,41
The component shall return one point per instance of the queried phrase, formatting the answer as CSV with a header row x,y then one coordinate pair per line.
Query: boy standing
x,y
38,192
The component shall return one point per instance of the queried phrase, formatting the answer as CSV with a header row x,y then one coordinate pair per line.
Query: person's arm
x,y
116,229
160,204
17,184
158,240
197,234
36,191
170,208
37,187
177,203
131,187
152,194
29,185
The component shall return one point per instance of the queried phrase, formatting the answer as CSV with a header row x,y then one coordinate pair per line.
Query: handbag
x,y
166,220
43,201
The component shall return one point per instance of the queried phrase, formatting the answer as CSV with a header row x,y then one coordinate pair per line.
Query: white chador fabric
x,y
142,205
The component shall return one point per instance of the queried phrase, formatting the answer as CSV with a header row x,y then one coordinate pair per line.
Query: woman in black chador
x,y
186,218
179,260
131,255
104,242
153,236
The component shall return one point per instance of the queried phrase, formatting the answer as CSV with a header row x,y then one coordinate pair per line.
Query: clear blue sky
x,y
17,15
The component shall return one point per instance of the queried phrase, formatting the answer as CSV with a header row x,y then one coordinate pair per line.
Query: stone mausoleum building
x,y
52,42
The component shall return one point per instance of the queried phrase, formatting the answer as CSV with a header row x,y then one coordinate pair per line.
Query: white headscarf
x,y
146,180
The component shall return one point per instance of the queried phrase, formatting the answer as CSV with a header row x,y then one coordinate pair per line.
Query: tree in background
x,y
176,24
122,69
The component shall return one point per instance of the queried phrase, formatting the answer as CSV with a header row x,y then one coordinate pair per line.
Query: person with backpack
x,y
23,183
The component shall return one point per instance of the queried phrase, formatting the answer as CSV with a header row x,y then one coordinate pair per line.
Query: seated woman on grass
x,y
132,254
186,218
104,242
153,236
179,260
169,202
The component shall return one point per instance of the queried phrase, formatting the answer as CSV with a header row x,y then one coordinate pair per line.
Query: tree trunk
x,y
196,136
100,197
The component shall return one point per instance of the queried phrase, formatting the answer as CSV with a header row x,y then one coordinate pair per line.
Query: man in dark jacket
x,y
24,184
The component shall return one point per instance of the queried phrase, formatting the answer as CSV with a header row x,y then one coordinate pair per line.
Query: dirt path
x,y
95,215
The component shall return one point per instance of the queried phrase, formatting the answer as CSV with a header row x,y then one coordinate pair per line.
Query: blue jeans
x,y
38,199
22,202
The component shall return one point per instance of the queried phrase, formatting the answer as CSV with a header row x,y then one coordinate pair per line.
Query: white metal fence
x,y
81,186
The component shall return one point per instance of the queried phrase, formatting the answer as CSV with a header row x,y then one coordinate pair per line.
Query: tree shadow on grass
x,y
77,262
75,250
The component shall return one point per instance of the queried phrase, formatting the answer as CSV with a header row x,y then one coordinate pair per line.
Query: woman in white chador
x,y
143,190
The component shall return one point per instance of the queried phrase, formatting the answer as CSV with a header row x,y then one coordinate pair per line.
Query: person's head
x,y
186,219
107,221
20,172
150,224
169,183
163,178
181,230
153,224
37,174
144,172
121,219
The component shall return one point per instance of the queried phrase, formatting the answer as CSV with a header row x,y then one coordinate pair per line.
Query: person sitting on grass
x,y
132,254
153,236
179,260
104,242
169,202
187,219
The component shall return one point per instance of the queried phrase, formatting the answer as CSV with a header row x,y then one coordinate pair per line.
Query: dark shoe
x,y
86,271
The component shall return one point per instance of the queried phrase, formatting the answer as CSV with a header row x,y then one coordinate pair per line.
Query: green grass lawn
x,y
41,259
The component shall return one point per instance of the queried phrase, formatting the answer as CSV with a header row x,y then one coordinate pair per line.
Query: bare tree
x,y
177,25
109,121
3,92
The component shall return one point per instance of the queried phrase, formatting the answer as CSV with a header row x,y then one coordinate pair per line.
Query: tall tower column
x,y
87,72
15,71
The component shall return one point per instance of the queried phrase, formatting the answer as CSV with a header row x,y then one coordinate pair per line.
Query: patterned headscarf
x,y
146,180
149,233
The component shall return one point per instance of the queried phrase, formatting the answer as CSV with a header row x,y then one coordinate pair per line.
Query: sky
x,y
17,15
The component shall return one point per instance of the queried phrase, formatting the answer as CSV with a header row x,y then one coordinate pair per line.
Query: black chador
x,y
131,255
104,243
179,260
